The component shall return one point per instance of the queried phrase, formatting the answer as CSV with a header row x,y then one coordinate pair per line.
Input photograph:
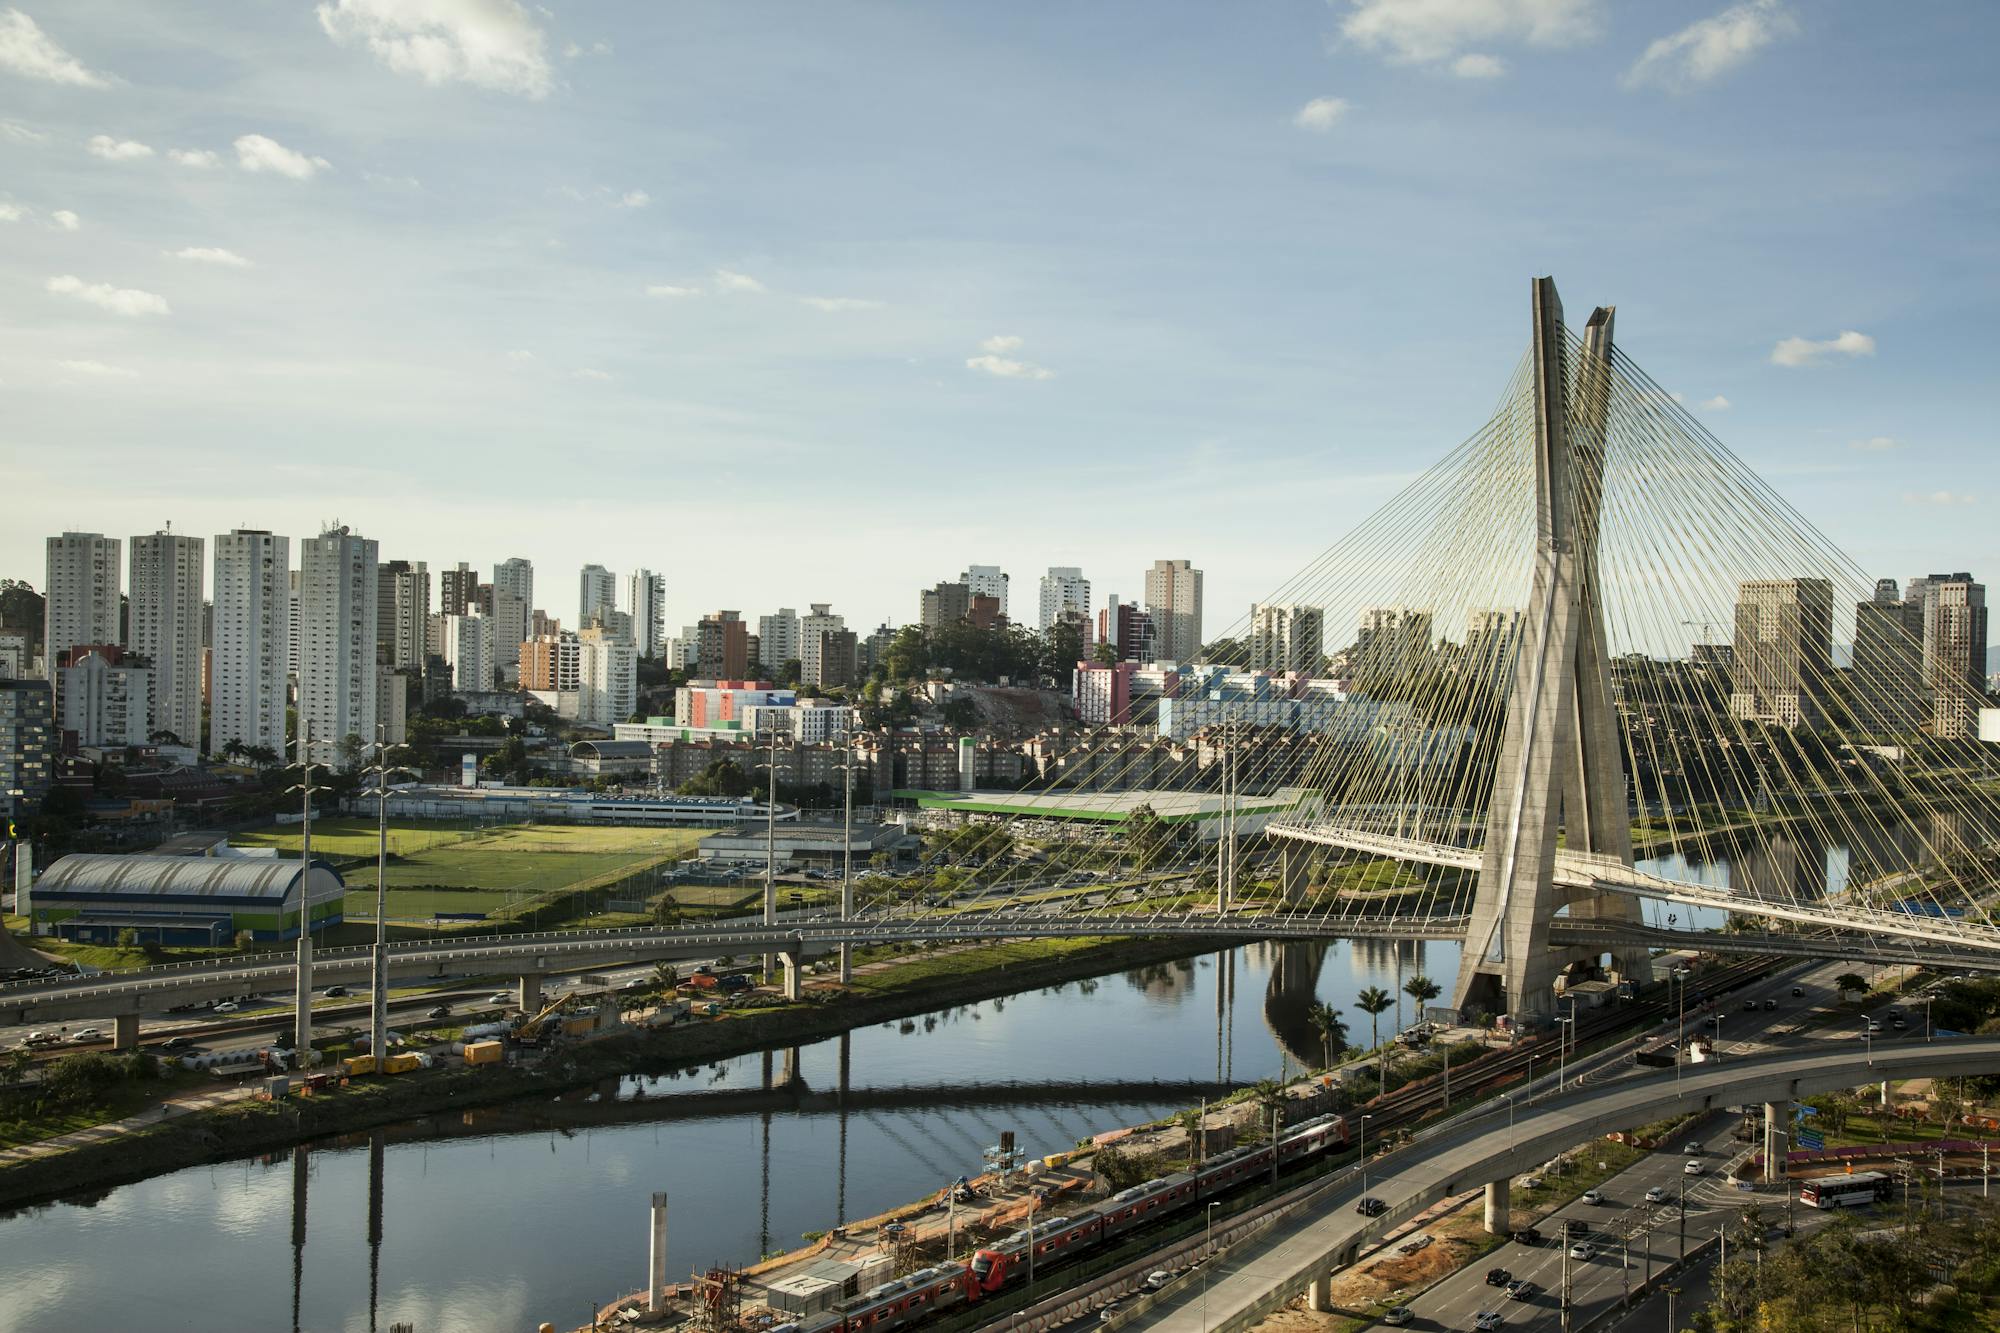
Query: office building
x,y
986,581
27,742
1286,637
106,696
339,608
596,594
1127,630
722,649
166,616
550,662
403,608
778,640
1173,600
1065,592
943,606
813,629
1888,670
469,650
1784,651
1954,653
249,641
607,678
647,598
81,595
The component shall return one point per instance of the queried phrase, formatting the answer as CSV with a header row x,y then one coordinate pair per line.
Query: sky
x,y
798,302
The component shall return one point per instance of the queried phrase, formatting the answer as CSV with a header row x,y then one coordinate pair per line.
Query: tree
x,y
1423,990
1146,836
1190,1121
720,778
1270,1097
1104,654
1850,981
1332,1030
128,938
164,737
1374,1002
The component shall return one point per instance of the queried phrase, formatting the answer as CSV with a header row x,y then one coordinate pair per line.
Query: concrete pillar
x,y
1292,860
531,992
1499,1208
1774,1135
303,997
794,974
125,1031
1319,1296
656,1255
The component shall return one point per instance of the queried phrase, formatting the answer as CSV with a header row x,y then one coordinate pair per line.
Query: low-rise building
x,y
107,696
188,900
800,844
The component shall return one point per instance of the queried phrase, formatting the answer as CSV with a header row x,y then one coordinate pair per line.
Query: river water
x,y
504,1221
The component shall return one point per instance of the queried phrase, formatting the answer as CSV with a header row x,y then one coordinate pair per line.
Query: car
x,y
1529,1182
1749,1006
1521,1290
1108,1313
438,1011
1593,1197
502,997
1874,1025
1156,1279
1692,1168
87,1034
1371,1207
1583,1249
1690,1149
1575,1226
1528,1236
1498,1277
1798,991
181,1042
1771,1003
1397,1315
1657,1194
44,1038
1487,1320
1898,1023
227,1007
334,993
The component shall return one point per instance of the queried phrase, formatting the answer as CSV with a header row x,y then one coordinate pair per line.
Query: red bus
x,y
1855,1191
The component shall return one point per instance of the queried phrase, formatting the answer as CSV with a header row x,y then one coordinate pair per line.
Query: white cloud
x,y
634,199
118,300
1423,31
669,290
590,374
520,354
836,303
1713,46
1805,352
488,43
1876,444
65,220
1942,498
1006,367
1321,114
96,368
1477,66
254,152
211,254
1715,404
12,212
728,281
199,158
117,150
21,133
28,51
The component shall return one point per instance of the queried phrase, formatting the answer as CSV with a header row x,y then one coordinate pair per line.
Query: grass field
x,y
443,869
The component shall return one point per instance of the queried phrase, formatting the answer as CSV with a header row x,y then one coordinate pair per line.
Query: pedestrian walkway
x,y
185,1104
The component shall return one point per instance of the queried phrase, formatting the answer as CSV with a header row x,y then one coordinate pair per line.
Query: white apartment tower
x,y
339,601
1287,637
778,639
512,612
596,595
1064,590
648,600
986,581
821,620
82,593
1173,600
469,650
607,678
166,590
249,640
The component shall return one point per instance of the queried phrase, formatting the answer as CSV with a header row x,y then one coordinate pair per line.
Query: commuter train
x,y
909,1300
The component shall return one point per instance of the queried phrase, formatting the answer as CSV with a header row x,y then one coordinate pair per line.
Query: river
x,y
504,1222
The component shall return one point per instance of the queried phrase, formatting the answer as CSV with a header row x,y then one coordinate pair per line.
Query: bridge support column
x,y
530,996
1774,1135
1292,872
1499,1208
1319,1296
125,1032
794,974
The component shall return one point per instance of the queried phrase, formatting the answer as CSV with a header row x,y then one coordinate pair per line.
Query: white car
x,y
1593,1197
1158,1278
1583,1249
1693,1168
501,997
1487,1320
1657,1194
1396,1316
1529,1182
227,1007
87,1034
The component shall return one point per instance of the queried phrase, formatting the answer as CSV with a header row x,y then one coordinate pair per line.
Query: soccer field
x,y
440,869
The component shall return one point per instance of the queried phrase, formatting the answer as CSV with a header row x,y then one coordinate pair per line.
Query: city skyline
x,y
176,183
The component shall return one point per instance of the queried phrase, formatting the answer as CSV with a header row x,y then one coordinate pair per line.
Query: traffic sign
x,y
1811,1140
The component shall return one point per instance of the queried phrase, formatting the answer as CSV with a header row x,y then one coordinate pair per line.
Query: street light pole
x,y
847,854
771,849
1364,1154
1208,1253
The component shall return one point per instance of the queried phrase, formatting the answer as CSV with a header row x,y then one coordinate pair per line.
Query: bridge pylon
x,y
1560,768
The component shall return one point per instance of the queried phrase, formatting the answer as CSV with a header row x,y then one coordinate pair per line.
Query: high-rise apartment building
x,y
722,649
469,650
339,606
778,639
944,605
392,704
1065,592
1954,653
249,641
27,743
1287,637
549,662
166,615
107,697
1390,643
403,608
81,594
813,629
516,579
608,677
1784,651
596,594
1173,600
647,598
986,581
1888,670
1126,629
1491,639
458,590
292,626
837,658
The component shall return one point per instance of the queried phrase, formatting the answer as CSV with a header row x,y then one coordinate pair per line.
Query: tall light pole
x,y
1364,1154
771,849
1207,1255
378,995
1508,1097
847,853
1562,1054
1679,977
302,994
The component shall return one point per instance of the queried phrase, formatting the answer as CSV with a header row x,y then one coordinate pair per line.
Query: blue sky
x,y
808,302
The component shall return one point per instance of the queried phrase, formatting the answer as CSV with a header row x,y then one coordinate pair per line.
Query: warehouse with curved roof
x,y
183,900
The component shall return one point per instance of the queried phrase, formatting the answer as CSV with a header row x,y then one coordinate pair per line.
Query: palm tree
x,y
1332,1030
1269,1094
1423,990
1375,1002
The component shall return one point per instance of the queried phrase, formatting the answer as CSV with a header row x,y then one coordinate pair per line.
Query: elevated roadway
x,y
1264,1272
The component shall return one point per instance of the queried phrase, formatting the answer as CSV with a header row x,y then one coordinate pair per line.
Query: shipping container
x,y
401,1064
483,1052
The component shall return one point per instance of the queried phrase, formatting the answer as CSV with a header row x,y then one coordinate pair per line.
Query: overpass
x,y
1297,1254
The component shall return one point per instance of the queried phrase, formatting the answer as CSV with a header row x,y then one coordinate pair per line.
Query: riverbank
x,y
252,1128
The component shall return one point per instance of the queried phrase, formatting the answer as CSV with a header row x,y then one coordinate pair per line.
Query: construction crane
x,y
529,1033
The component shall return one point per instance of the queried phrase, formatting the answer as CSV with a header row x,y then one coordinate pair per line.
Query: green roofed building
x,y
183,900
